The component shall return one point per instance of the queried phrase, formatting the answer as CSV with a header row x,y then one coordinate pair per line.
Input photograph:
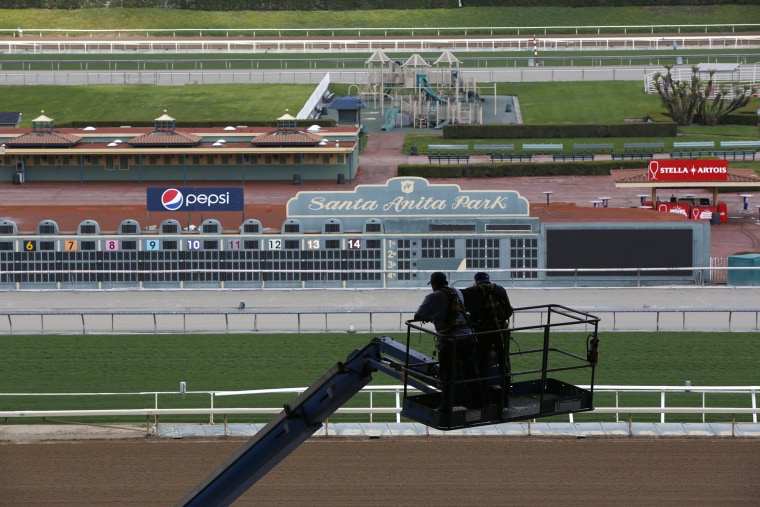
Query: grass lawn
x,y
133,363
384,20
581,102
126,103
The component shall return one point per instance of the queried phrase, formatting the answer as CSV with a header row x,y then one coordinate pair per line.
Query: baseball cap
x,y
438,278
482,277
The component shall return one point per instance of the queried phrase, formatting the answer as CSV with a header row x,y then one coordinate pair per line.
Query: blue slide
x,y
443,123
390,118
422,82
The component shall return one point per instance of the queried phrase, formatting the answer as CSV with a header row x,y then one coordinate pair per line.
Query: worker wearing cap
x,y
490,311
444,307
435,308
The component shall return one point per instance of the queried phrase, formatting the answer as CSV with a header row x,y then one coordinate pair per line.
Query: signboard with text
x,y
688,170
195,199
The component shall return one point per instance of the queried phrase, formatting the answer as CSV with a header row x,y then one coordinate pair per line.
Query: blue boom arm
x,y
302,418
507,394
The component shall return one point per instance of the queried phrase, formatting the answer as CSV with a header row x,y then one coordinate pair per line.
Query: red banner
x,y
688,170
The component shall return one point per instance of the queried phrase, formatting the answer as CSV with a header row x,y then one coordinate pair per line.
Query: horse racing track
x,y
419,471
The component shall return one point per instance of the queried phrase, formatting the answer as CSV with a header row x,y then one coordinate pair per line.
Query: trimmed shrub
x,y
553,131
596,168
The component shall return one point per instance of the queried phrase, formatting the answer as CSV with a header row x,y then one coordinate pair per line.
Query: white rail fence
x,y
40,41
361,320
708,402
748,75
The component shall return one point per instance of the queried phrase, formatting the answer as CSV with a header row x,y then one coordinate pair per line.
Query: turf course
x,y
134,363
465,20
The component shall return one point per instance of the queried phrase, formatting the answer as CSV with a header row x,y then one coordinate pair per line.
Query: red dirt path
x,y
436,471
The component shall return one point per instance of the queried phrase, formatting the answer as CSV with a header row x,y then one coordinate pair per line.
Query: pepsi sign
x,y
195,199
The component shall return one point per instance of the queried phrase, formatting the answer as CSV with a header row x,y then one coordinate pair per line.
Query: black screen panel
x,y
619,248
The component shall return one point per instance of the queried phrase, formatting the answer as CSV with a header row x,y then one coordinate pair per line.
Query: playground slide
x,y
430,92
443,123
390,118
422,82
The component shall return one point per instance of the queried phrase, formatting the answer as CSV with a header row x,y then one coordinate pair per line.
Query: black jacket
x,y
484,315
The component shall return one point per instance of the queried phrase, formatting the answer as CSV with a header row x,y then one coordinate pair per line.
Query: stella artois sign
x,y
688,170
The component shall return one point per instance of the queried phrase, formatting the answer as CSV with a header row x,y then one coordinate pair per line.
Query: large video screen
x,y
619,248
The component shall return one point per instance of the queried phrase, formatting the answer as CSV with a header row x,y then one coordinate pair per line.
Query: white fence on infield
x,y
706,402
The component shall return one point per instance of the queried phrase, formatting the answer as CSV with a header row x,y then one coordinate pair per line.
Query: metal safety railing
x,y
615,403
360,320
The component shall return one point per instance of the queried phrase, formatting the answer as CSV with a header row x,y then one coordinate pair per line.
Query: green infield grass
x,y
236,362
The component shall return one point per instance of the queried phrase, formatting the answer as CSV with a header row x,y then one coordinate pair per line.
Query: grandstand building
x,y
179,155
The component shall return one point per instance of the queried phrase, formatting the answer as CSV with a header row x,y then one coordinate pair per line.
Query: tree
x,y
699,101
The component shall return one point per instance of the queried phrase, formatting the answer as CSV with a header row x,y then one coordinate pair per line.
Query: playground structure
x,y
413,93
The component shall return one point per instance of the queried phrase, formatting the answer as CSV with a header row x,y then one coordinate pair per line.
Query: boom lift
x,y
520,385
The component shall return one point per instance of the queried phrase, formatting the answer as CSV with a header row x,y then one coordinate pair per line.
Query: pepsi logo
x,y
172,199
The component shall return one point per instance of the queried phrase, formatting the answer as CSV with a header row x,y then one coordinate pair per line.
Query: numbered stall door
x,y
323,261
281,262
201,261
241,262
80,263
120,262
160,262
8,264
37,265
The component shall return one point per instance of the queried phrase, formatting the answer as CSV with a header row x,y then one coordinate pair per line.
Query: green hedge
x,y
598,168
741,118
553,131
338,5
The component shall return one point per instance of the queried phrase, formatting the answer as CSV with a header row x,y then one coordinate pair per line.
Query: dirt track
x,y
438,471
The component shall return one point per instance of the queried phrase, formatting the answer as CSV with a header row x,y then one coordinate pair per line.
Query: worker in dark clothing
x,y
490,311
444,307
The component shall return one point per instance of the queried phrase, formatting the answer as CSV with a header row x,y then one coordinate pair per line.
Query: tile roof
x,y
286,138
165,139
43,139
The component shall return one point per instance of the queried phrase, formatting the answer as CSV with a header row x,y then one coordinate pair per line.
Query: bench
x,y
695,149
539,149
735,154
691,154
572,156
593,148
690,146
448,152
639,151
500,152
511,157
755,145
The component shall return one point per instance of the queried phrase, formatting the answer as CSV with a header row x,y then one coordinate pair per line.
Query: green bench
x,y
542,149
448,152
562,157
594,148
741,145
639,151
696,145
735,149
695,149
735,154
501,152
